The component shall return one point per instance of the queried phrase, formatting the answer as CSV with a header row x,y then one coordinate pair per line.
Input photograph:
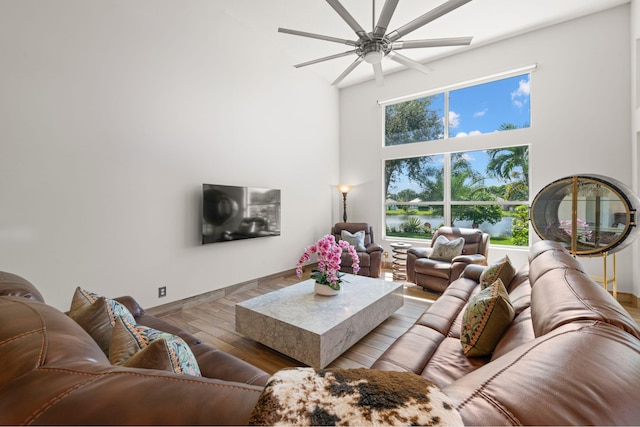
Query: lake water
x,y
501,228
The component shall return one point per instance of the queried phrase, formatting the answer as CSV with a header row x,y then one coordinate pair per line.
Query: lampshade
x,y
344,189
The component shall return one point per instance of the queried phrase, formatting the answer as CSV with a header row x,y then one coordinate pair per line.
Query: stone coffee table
x,y
316,329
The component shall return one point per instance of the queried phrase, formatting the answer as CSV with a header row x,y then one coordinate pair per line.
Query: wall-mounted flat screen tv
x,y
236,213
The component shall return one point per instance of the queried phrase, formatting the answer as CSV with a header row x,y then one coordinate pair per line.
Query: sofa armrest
x,y
222,366
12,285
473,272
132,305
420,252
470,259
373,247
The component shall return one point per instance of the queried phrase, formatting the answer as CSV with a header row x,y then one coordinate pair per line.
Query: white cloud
x,y
480,113
463,134
521,92
454,119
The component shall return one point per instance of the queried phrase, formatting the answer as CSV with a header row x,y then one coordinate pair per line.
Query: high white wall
x,y
112,115
635,128
580,115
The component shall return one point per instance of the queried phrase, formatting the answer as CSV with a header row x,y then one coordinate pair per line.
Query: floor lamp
x,y
344,189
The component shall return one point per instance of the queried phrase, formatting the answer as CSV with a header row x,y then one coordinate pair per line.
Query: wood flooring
x,y
214,323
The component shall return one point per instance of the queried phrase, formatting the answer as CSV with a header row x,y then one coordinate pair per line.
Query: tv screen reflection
x,y
236,213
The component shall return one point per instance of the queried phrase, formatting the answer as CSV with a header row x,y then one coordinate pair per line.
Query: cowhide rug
x,y
327,397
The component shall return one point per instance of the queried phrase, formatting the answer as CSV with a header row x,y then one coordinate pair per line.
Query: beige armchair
x,y
435,273
370,254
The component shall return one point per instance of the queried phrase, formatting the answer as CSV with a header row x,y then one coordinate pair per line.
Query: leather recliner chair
x,y
436,275
370,258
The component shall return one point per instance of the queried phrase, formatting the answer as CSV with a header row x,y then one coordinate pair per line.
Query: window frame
x,y
487,141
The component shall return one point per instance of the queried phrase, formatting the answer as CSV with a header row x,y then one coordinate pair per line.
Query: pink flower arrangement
x,y
328,251
583,232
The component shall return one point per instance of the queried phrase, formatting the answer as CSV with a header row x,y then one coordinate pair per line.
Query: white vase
x,y
325,290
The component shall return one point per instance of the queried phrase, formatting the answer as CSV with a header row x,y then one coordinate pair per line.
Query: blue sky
x,y
482,109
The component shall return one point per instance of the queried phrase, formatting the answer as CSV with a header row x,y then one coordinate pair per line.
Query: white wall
x,y
112,115
635,128
580,119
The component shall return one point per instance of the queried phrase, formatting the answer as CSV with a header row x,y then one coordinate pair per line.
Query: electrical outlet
x,y
162,291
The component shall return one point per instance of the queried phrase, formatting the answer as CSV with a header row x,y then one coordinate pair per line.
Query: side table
x,y
399,265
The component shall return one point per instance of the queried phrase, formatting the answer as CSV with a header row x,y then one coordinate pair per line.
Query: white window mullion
x,y
446,115
447,188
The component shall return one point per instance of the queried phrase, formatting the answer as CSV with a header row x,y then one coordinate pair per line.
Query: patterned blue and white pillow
x,y
143,347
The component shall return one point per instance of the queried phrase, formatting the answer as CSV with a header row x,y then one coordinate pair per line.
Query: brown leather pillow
x,y
97,315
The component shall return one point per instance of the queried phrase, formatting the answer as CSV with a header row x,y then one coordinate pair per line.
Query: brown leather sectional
x,y
54,373
571,356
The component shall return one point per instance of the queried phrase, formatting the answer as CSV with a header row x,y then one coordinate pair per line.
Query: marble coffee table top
x,y
316,329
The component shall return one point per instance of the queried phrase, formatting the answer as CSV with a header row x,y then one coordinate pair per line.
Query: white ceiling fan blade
x,y
326,58
450,41
385,16
344,14
317,36
436,13
349,69
377,71
401,59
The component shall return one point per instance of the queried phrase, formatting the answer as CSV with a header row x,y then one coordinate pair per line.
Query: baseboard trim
x,y
186,303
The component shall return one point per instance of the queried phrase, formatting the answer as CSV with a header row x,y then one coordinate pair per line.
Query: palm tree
x,y
468,185
509,163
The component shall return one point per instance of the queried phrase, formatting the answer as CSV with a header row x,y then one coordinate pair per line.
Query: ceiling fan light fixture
x,y
373,51
374,57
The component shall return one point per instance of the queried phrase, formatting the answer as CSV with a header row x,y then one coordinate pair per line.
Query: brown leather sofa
x,y
370,258
54,373
571,356
434,274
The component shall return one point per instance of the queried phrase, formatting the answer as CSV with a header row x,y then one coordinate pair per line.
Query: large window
x,y
489,107
485,188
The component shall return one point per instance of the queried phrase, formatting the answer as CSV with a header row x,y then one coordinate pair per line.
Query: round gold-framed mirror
x,y
591,214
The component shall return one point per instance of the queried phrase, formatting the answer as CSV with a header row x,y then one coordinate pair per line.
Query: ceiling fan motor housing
x,y
373,50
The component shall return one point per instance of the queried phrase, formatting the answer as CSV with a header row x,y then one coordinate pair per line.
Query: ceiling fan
x,y
374,46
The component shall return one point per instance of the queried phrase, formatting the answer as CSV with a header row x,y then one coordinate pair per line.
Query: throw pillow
x,y
487,316
356,239
97,315
446,250
503,270
143,347
81,300
304,396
